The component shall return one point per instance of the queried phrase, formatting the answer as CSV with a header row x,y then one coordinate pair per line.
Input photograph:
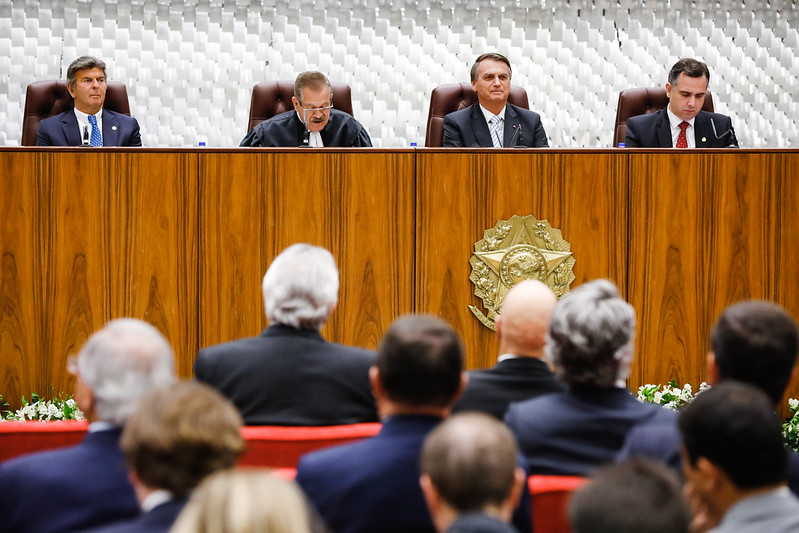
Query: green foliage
x,y
60,407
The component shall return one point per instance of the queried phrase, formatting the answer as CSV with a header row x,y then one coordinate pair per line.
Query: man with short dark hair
x,y
521,372
471,479
590,346
630,497
754,342
289,375
735,462
682,124
87,123
86,486
313,122
373,485
493,122
178,435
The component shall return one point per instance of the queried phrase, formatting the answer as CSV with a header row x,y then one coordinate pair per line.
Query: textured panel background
x,y
190,65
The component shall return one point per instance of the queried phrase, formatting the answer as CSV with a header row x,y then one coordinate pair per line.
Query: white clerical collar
x,y
156,498
489,115
315,139
506,356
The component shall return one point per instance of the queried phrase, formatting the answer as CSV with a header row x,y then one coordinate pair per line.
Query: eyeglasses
x,y
315,109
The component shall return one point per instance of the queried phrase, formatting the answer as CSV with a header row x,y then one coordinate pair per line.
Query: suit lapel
x,y
481,132
701,130
70,128
663,129
110,129
511,125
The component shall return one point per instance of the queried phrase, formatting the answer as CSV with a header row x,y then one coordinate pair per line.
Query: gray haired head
x,y
591,335
120,363
301,287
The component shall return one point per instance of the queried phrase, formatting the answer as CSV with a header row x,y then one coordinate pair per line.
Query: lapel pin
x,y
115,129
704,139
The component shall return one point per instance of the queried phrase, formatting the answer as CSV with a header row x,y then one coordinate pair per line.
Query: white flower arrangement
x,y
59,408
672,396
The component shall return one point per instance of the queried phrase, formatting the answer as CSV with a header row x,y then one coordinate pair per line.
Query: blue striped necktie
x,y
496,138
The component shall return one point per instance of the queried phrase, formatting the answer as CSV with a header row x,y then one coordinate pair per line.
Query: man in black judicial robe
x,y
313,122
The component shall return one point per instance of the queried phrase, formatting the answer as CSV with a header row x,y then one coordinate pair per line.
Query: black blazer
x,y
63,130
654,131
512,380
468,128
286,129
290,377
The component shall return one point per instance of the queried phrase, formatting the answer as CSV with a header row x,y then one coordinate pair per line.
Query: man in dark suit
x,y
289,375
682,124
471,479
521,372
493,122
86,486
754,342
178,435
87,123
590,345
313,122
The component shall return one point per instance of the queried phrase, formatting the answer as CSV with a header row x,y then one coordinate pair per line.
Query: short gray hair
x,y
120,363
301,287
591,336
82,63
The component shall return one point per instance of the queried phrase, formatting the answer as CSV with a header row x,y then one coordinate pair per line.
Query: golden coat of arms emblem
x,y
514,250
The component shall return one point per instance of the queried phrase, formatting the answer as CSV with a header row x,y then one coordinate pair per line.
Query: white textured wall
x,y
190,65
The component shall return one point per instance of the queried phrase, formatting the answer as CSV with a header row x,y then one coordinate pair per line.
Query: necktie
x,y
96,139
496,122
682,141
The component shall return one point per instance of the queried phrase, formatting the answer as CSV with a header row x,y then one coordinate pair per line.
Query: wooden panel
x,y
707,231
359,205
459,195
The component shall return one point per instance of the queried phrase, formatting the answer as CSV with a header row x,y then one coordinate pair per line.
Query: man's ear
x,y
297,108
668,90
519,479
712,368
712,476
431,495
462,387
374,381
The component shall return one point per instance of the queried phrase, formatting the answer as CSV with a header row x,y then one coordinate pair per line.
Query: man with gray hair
x,y
590,346
313,122
86,486
289,375
87,123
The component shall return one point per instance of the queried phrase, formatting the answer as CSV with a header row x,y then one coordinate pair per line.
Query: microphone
x,y
733,142
85,136
306,139
520,144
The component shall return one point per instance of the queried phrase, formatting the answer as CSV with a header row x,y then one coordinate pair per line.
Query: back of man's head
x,y
756,342
471,461
120,363
524,318
420,362
637,495
179,434
301,287
591,336
734,427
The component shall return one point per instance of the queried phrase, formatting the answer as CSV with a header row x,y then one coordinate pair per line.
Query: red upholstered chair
x,y
455,96
20,438
550,499
47,98
282,446
641,101
270,98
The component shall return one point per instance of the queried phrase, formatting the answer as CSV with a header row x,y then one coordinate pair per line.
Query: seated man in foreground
x,y
87,123
682,124
313,122
86,486
289,376
470,475
590,345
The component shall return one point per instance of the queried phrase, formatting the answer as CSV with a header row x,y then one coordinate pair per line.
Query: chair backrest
x,y
270,98
21,438
640,101
455,96
48,98
549,496
282,446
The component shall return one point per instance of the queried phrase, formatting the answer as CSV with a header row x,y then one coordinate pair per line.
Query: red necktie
x,y
682,141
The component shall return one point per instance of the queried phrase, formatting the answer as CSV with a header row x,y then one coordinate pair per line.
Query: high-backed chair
x,y
641,101
455,96
48,98
270,98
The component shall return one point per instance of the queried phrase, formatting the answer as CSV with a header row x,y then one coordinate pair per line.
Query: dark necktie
x,y
682,140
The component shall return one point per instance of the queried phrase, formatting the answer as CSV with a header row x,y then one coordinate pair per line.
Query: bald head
x,y
524,319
